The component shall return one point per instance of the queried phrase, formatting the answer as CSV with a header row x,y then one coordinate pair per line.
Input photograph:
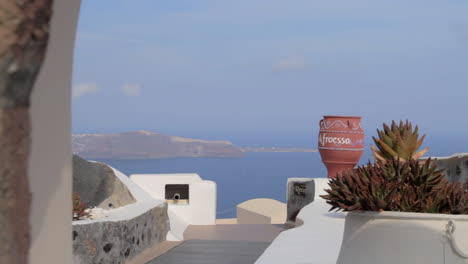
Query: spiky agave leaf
x,y
419,154
398,141
377,154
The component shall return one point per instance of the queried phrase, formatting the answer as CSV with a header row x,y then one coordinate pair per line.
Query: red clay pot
x,y
341,142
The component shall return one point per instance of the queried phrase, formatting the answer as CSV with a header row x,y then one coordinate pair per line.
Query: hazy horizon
x,y
439,145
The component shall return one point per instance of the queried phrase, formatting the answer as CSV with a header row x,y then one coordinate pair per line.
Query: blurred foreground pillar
x,y
50,157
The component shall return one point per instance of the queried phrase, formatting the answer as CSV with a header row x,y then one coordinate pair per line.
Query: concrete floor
x,y
244,232
213,252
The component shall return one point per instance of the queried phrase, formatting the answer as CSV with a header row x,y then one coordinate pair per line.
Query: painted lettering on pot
x,y
323,139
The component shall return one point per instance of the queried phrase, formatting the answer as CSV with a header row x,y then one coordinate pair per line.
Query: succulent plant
x,y
456,198
395,185
79,208
398,141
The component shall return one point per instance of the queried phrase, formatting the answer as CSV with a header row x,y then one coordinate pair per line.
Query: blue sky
x,y
256,69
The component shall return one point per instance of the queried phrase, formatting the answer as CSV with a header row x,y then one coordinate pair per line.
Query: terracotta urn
x,y
340,143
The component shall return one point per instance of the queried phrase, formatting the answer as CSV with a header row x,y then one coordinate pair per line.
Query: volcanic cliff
x,y
149,145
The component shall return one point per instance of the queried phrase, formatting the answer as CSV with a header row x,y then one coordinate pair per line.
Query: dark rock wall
x,y
98,186
116,242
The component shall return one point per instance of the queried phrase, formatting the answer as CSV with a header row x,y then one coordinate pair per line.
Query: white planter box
x,y
395,237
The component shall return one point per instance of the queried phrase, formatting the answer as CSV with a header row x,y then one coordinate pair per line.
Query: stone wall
x,y
115,242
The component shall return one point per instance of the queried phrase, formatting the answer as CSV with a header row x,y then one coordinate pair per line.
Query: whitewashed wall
x,y
202,207
50,158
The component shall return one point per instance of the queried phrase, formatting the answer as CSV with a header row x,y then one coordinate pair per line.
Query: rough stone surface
x,y
108,242
456,167
24,31
98,186
301,192
15,197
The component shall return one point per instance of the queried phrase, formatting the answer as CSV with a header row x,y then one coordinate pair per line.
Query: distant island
x,y
275,149
151,145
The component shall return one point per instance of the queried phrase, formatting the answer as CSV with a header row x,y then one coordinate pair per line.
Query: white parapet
x,y
317,241
144,202
198,209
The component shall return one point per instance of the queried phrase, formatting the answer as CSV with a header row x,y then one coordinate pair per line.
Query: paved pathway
x,y
221,244
213,252
245,232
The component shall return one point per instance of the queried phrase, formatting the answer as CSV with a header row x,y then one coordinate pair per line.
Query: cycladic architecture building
x,y
191,200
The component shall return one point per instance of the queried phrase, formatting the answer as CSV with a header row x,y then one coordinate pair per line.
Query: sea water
x,y
261,175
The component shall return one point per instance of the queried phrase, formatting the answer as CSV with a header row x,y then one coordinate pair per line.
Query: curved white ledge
x,y
410,215
144,202
316,239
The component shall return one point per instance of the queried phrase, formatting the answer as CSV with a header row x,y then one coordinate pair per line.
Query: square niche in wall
x,y
177,193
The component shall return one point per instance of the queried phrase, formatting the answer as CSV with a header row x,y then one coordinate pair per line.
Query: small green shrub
x,y
79,208
396,185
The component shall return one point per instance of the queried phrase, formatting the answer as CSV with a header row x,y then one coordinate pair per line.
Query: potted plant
x,y
401,210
